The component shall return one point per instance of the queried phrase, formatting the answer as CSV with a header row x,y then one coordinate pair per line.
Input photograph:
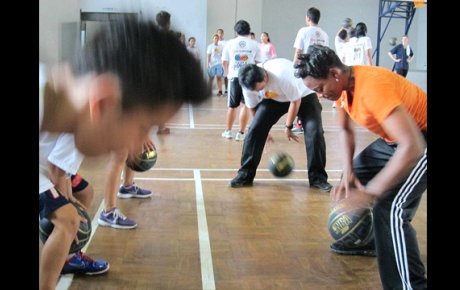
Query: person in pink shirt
x,y
266,47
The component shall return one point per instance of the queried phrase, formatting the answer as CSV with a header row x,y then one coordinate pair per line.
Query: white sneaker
x,y
333,104
227,134
239,136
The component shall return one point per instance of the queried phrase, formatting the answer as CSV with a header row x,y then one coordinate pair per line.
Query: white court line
x,y
207,272
190,116
226,169
66,280
227,179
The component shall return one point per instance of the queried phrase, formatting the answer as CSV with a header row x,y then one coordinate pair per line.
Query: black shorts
x,y
235,96
78,183
49,201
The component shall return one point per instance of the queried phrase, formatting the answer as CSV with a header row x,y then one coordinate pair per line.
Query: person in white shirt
x,y
358,50
270,91
109,98
192,48
214,63
222,42
312,34
238,52
267,48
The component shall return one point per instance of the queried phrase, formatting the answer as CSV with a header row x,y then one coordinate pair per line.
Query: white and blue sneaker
x,y
133,191
115,219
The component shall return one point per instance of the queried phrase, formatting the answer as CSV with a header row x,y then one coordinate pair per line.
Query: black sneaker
x,y
342,249
241,180
322,185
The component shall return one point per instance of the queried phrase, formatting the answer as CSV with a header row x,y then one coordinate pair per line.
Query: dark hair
x,y
268,37
352,32
191,37
242,27
343,34
317,62
153,67
249,75
314,15
163,19
361,29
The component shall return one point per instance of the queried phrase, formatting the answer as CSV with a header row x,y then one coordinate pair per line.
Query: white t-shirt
x,y
216,54
194,51
60,150
310,35
355,50
282,85
268,51
339,47
239,52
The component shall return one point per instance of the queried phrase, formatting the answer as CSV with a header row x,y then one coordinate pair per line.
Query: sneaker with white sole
x,y
239,136
227,134
133,191
83,264
116,220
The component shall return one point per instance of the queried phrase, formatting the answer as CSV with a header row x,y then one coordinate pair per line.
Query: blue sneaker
x,y
82,264
115,219
133,191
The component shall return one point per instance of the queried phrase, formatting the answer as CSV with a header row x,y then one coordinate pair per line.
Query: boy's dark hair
x,y
314,15
343,34
361,29
153,67
317,62
249,75
163,19
242,27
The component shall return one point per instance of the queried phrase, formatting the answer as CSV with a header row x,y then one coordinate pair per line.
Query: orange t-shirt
x,y
377,93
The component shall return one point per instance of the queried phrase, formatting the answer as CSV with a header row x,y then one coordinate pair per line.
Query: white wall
x,y
187,16
54,15
225,13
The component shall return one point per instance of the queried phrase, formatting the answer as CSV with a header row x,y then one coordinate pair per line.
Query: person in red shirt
x,y
390,173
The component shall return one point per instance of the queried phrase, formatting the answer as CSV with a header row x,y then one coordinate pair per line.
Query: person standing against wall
x,y
402,55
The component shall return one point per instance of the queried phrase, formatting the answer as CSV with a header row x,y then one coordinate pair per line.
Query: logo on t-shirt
x,y
271,94
241,57
242,43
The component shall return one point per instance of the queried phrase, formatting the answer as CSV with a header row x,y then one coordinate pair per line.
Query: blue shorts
x,y
216,70
49,201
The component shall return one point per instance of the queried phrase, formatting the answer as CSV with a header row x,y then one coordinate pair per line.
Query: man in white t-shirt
x,y
312,34
270,91
238,52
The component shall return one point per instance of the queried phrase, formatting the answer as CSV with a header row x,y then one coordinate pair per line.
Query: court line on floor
x,y
228,179
190,117
65,281
226,169
207,272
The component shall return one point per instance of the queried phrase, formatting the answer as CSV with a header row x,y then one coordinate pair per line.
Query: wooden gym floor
x,y
198,233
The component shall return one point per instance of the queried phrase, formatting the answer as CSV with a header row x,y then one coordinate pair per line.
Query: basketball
x,y
84,232
280,164
393,41
347,23
143,161
350,224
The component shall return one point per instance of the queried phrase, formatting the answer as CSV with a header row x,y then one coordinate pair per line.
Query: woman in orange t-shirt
x,y
390,173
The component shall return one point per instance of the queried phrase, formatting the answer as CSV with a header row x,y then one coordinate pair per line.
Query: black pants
x,y
402,71
268,112
398,255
